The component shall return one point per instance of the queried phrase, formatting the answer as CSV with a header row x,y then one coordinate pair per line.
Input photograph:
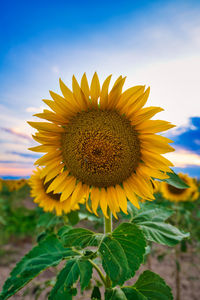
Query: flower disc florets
x,y
100,148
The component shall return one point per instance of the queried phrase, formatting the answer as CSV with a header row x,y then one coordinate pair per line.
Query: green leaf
x,y
78,237
152,212
75,268
160,232
47,220
149,286
122,252
176,181
152,287
73,217
96,294
115,294
47,253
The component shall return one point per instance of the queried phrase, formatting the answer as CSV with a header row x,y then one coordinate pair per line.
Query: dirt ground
x,y
189,276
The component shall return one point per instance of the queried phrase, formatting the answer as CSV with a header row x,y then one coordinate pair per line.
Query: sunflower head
x,y
177,195
49,201
102,143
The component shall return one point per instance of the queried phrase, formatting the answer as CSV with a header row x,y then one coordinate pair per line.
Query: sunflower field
x,y
103,215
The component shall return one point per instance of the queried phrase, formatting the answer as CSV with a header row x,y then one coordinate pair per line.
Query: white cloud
x,y
33,109
183,158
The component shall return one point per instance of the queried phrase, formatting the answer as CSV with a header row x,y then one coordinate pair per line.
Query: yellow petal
x,y
128,97
152,172
136,186
64,105
53,173
44,148
87,198
154,126
46,126
103,202
95,197
95,90
60,179
130,194
85,87
139,103
45,140
104,93
68,95
115,93
121,198
144,114
156,161
78,94
49,158
52,117
68,188
48,169
77,194
112,201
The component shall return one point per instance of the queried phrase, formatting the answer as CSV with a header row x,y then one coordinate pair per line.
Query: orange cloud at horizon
x,y
15,170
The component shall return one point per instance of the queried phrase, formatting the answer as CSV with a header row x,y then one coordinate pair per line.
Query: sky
x,y
156,43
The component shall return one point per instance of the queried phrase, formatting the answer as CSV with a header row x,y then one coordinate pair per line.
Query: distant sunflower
x,y
176,195
105,141
1,184
49,201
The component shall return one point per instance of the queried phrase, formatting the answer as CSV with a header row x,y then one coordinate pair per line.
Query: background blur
x,y
156,43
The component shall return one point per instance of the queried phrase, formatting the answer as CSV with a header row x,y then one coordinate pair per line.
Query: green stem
x,y
99,272
108,222
108,229
177,253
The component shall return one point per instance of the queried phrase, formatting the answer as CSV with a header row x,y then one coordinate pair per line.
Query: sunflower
x,y
15,185
104,141
175,194
49,201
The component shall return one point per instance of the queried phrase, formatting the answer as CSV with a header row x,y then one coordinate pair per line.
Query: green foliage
x,y
149,286
150,220
74,268
48,220
73,217
122,252
78,237
16,221
176,181
47,253
96,294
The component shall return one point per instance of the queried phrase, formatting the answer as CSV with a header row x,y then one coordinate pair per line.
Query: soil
x,y
164,266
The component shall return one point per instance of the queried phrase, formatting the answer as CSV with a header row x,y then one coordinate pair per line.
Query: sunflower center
x,y
100,148
172,189
51,194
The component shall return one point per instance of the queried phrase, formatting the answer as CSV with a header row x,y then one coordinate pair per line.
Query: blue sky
x,y
156,43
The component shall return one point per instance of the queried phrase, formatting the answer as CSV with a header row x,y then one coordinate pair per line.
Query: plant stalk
x,y
108,229
99,272
177,275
